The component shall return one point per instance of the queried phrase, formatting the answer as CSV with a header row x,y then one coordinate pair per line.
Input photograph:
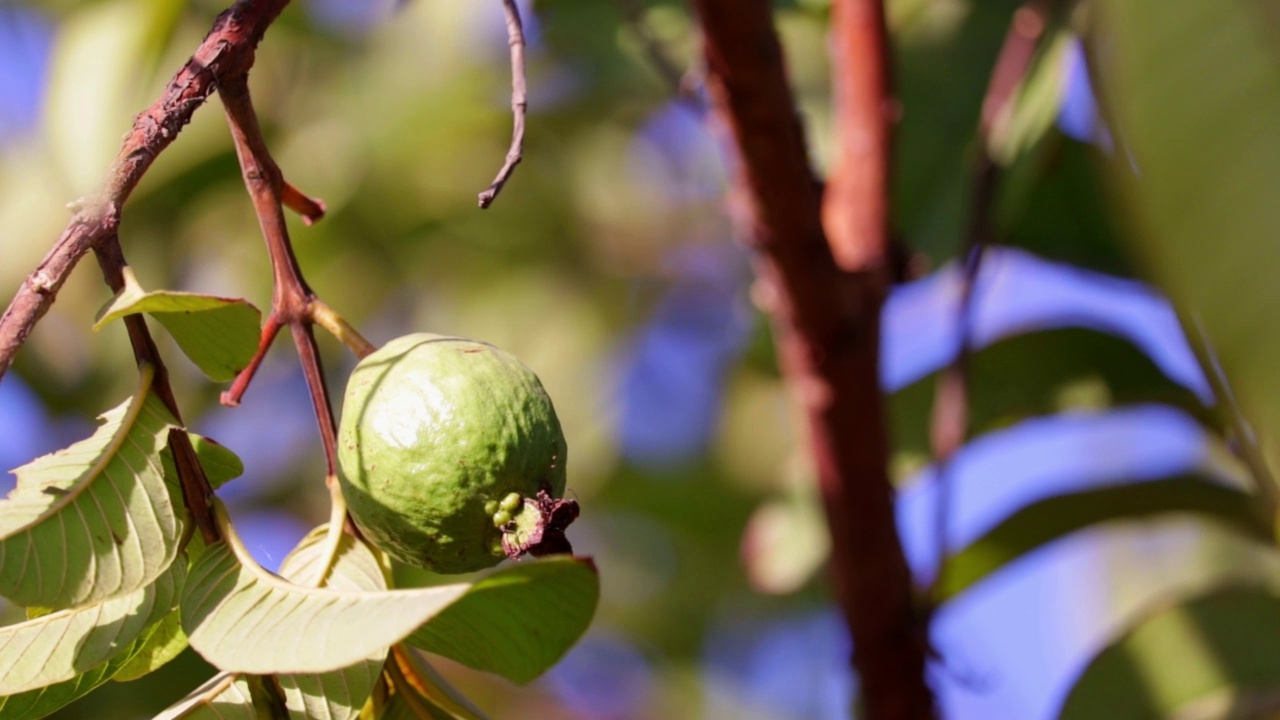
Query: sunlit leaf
x,y
1043,522
1191,89
59,646
225,697
337,695
220,335
519,621
1209,657
164,643
96,520
244,619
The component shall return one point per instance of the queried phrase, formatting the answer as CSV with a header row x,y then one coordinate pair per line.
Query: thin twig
x,y
293,303
228,49
949,424
519,103
196,491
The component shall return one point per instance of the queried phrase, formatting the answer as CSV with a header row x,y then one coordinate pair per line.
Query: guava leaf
x,y
40,703
519,621
1190,90
244,619
1043,522
1199,658
337,695
59,646
220,464
429,688
219,335
96,520
164,643
226,696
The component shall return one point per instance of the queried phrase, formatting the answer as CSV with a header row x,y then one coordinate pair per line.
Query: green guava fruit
x,y
451,455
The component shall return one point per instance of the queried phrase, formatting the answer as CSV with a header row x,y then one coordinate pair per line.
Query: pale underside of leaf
x,y
225,697
244,619
341,694
96,520
59,646
220,335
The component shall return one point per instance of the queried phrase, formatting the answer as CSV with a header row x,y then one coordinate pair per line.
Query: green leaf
x,y
39,703
431,689
220,464
1034,107
1192,91
1210,657
341,694
224,697
519,621
165,642
1043,522
59,646
94,521
244,619
219,335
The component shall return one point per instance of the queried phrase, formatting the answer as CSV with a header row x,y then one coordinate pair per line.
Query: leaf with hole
x,y
1200,658
219,335
519,621
97,520
1045,521
59,646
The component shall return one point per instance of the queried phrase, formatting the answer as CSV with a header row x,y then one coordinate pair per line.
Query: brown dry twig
x,y
519,103
227,49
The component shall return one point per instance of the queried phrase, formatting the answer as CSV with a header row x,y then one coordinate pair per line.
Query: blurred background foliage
x,y
609,266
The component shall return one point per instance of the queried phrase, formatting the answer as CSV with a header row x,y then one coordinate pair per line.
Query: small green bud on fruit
x,y
433,429
511,502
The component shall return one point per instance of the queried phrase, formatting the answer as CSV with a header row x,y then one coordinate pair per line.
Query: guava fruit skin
x,y
433,428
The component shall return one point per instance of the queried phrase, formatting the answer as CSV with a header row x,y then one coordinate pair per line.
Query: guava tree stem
x,y
823,271
227,50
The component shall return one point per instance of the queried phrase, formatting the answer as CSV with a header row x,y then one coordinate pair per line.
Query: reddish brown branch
x,y
197,493
293,304
228,49
825,300
519,103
